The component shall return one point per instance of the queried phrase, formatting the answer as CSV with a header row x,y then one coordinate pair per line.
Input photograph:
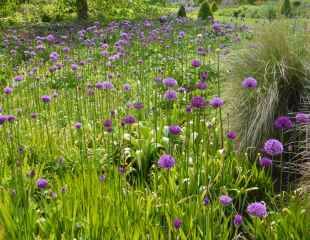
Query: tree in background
x,y
286,8
204,11
182,11
82,9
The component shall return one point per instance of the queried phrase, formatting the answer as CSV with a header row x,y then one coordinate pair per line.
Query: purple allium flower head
x,y
66,49
204,76
138,105
206,201
196,63
238,220
8,90
225,200
181,34
249,83
265,162
54,56
202,85
303,118
46,98
170,82
231,135
19,78
273,147
121,170
74,66
126,87
78,125
283,122
177,223
11,118
217,27
257,209
170,95
166,161
198,102
107,123
188,109
102,178
42,183
3,119
129,120
104,85
175,130
50,38
216,102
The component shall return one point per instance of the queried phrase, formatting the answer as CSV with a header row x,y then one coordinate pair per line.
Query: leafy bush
x,y
182,11
278,59
205,11
214,7
286,8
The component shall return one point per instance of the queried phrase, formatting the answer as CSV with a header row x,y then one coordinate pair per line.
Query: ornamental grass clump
x,y
266,80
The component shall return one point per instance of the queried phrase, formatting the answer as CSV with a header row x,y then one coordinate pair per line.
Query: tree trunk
x,y
82,9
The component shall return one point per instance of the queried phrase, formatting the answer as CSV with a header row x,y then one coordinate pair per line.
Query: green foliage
x,y
205,11
214,7
286,8
278,59
181,11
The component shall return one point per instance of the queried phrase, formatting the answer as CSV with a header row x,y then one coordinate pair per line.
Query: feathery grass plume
x,y
278,58
204,11
181,11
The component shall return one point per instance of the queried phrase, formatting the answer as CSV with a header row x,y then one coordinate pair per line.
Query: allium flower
x,y
170,82
78,125
107,123
138,105
170,95
302,118
225,200
175,129
177,223
42,183
202,85
8,90
104,85
217,27
129,120
126,87
181,34
196,63
19,78
231,135
54,56
11,118
204,76
238,220
265,162
102,178
216,102
74,67
166,161
206,201
273,147
46,98
257,209
198,102
66,49
283,122
3,119
249,83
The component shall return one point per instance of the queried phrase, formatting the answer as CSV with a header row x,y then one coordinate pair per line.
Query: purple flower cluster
x,y
273,147
166,161
257,209
283,122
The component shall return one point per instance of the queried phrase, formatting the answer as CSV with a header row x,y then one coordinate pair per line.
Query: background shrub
x,y
204,11
286,8
182,11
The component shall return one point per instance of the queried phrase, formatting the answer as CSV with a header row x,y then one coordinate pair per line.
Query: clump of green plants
x,y
286,8
278,59
214,7
182,11
205,11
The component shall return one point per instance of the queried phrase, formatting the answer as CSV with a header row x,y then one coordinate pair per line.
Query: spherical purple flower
x,y
175,130
126,87
206,200
8,90
42,183
216,102
170,82
302,118
50,38
204,76
66,49
11,118
138,105
202,85
177,223
107,123
54,56
217,27
129,120
166,161
273,147
19,78
46,98
74,67
231,135
170,95
196,63
249,83
104,85
257,209
198,102
283,122
102,178
78,125
238,220
265,162
225,200
181,34
3,119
